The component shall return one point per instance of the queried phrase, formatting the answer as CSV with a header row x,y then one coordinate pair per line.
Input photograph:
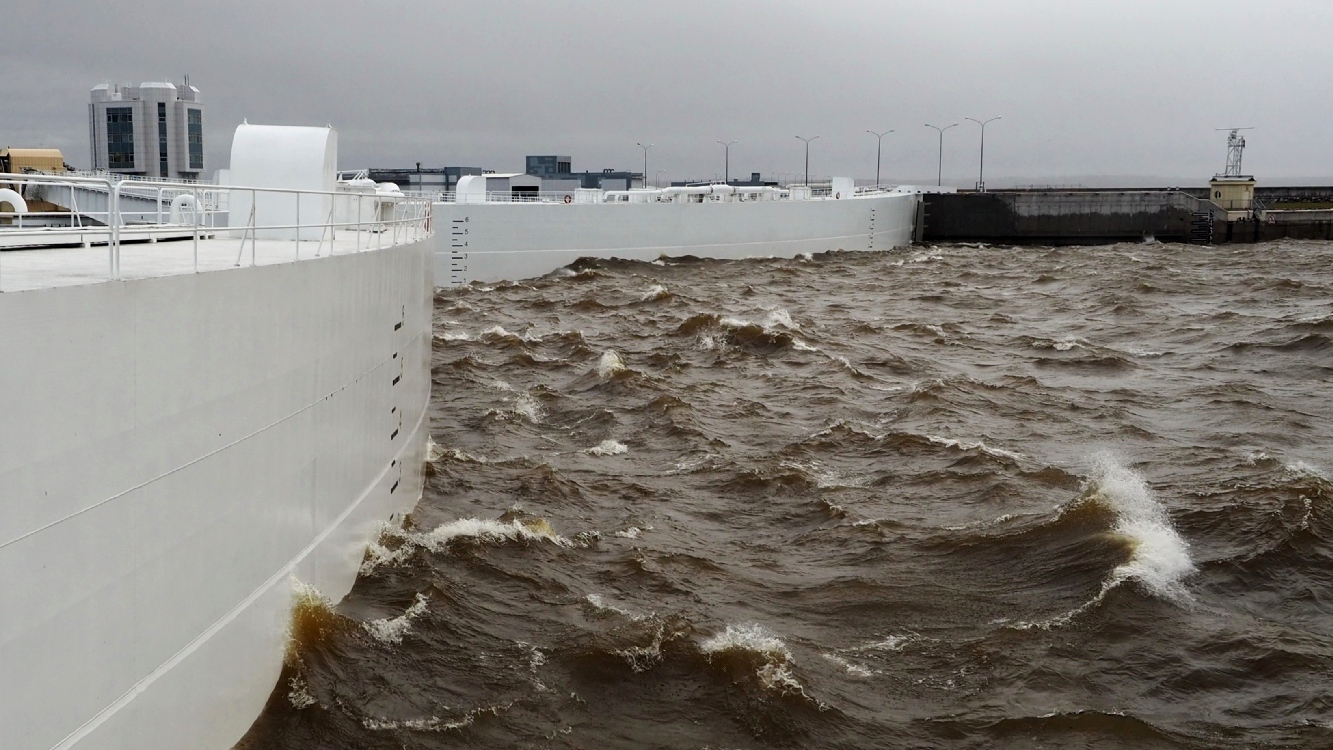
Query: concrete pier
x,y
1090,217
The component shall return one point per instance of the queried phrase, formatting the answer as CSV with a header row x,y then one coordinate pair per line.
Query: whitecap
x,y
392,629
609,364
656,292
434,452
780,317
854,669
975,445
1303,470
600,606
529,408
748,637
607,448
487,530
1160,559
379,553
299,694
801,346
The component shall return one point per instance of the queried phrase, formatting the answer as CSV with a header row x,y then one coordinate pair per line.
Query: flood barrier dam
x,y
1089,217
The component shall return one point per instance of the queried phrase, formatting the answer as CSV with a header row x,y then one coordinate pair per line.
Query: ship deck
x,y
56,263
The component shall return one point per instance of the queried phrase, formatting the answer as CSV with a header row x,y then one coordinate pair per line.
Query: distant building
x,y
543,166
428,179
557,176
755,180
154,129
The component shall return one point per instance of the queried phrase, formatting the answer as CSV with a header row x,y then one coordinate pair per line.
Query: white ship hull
x,y
489,242
173,452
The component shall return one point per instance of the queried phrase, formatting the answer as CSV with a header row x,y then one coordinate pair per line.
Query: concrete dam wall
x,y
1064,218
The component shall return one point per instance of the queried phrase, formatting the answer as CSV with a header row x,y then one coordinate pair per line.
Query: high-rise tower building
x,y
153,130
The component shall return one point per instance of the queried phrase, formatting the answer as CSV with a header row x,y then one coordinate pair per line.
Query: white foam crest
x,y
487,530
607,448
500,385
529,408
708,341
859,429
976,445
801,346
1160,559
748,637
453,336
1135,350
656,292
484,530
891,643
599,604
644,658
379,554
392,629
1003,518
823,478
1303,470
780,317
1254,457
632,532
433,450
774,671
430,723
609,364
853,669
299,694
308,594
1060,621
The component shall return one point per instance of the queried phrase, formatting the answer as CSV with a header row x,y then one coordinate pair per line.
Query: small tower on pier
x,y
1233,190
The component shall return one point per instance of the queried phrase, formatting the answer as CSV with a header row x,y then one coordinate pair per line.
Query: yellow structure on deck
x,y
41,159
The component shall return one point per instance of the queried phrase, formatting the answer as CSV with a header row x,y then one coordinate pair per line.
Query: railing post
x,y
298,226
194,221
254,224
113,219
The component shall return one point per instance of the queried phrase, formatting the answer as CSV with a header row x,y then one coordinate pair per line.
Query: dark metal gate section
x,y
1201,228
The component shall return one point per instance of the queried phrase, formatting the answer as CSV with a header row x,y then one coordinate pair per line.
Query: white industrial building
x,y
155,129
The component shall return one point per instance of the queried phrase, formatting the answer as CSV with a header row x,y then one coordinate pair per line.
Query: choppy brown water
x,y
939,497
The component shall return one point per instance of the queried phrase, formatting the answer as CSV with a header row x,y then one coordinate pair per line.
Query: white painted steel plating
x,y
178,446
488,242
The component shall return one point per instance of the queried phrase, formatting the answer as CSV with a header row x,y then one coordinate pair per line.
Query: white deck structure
x,y
487,237
189,427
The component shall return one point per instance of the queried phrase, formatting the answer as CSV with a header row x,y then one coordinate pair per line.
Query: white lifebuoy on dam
x,y
15,200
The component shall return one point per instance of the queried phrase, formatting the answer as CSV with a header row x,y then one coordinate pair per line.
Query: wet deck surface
x,y
42,268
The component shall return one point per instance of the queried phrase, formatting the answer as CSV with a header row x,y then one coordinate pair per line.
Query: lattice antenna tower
x,y
1235,147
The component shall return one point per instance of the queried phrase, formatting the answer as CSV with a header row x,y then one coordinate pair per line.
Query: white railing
x,y
201,213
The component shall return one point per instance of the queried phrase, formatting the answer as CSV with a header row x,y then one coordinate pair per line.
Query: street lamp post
x,y
726,164
807,157
878,148
939,180
981,170
645,160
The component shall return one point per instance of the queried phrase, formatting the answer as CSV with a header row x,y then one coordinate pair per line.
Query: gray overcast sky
x,y
1129,89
